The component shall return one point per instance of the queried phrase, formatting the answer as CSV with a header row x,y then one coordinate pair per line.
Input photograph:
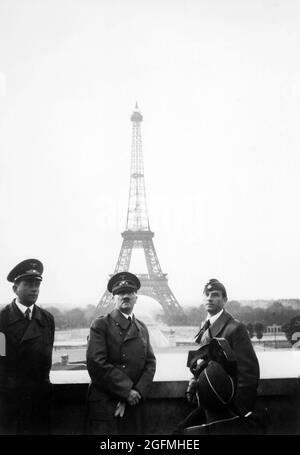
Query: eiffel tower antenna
x,y
138,235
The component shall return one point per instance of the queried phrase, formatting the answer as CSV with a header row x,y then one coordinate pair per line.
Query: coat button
x,y
123,366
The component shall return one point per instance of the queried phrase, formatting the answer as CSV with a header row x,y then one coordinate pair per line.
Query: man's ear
x,y
15,287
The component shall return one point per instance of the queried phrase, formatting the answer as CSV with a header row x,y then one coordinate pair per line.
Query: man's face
x,y
125,301
27,291
214,302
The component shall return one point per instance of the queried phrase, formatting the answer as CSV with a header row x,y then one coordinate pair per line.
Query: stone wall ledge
x,y
176,389
166,406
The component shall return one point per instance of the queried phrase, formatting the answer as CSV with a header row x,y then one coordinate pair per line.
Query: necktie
x,y
129,325
206,325
201,331
27,314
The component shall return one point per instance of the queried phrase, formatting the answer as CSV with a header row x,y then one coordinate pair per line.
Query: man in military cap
x,y
121,363
221,324
28,331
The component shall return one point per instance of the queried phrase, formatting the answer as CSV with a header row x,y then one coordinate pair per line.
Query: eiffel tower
x,y
138,235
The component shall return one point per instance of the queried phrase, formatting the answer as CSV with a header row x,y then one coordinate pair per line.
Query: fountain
x,y
157,338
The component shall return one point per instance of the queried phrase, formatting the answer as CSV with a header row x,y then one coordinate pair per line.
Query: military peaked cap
x,y
215,285
123,282
215,387
25,270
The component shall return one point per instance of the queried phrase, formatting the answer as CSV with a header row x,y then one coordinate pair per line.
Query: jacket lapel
x,y
219,324
32,331
133,330
215,329
206,336
34,327
15,323
37,315
119,319
199,335
14,314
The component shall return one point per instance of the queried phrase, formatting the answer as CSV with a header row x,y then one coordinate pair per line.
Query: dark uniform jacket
x,y
119,358
24,370
237,335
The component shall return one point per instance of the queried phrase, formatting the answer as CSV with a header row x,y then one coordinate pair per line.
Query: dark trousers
x,y
25,410
196,417
104,423
243,402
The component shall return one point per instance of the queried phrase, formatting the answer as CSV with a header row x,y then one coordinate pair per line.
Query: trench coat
x,y
25,389
119,358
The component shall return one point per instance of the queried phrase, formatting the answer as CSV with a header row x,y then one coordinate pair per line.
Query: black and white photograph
x,y
149,220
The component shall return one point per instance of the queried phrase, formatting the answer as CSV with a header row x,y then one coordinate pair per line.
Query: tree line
x,y
275,313
74,318
256,319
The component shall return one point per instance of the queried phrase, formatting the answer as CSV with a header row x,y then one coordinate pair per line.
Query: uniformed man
x,y
219,323
28,335
121,363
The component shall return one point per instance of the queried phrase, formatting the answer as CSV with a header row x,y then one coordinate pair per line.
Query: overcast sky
x,y
218,84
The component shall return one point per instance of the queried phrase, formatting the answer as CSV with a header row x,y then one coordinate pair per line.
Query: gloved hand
x,y
134,397
120,409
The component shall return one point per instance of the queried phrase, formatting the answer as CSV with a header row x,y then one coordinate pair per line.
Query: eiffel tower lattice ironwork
x,y
138,235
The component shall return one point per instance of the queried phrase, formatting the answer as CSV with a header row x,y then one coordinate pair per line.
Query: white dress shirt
x,y
213,318
23,308
127,315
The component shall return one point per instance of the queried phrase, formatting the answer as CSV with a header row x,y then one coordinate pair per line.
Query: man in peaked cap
x,y
25,365
120,362
221,324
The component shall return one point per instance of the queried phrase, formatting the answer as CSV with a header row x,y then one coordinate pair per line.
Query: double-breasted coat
x,y
24,370
119,358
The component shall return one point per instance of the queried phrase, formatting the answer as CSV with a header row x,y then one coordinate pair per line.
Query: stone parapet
x,y
166,406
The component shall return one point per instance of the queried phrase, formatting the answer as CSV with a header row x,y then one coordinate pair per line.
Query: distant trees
x,y
195,315
59,317
292,330
275,313
250,329
89,314
74,318
233,306
191,316
259,330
